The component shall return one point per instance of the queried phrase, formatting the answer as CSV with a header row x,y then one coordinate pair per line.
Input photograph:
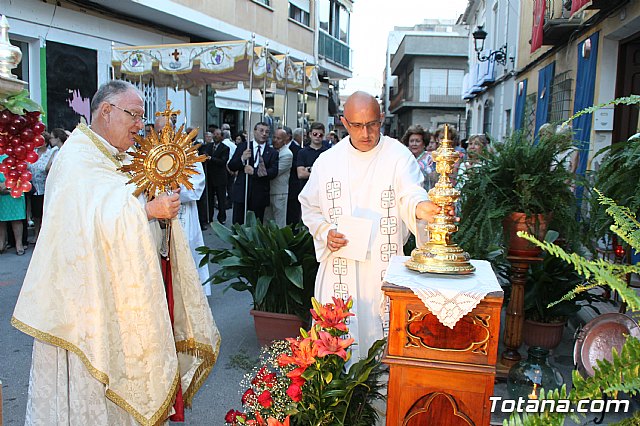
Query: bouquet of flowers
x,y
304,381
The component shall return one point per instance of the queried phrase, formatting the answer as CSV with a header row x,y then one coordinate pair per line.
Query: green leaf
x,y
294,274
262,287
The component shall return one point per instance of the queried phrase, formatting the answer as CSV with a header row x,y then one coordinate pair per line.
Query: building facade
x,y
424,75
489,84
73,39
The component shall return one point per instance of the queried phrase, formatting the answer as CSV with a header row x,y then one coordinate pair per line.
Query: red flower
x,y
269,380
332,315
274,422
259,376
295,393
265,399
298,381
233,415
248,394
303,354
332,345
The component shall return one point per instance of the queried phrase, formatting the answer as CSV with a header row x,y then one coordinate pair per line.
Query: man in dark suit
x,y
293,205
259,163
217,175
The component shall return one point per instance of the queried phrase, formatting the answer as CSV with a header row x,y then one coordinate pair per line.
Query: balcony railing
x,y
557,25
334,50
422,96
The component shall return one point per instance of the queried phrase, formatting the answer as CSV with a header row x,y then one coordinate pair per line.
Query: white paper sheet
x,y
357,231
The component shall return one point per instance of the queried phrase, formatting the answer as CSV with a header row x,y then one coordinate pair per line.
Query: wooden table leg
x,y
515,309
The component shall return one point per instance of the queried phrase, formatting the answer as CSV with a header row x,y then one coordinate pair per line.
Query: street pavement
x,y
239,350
220,393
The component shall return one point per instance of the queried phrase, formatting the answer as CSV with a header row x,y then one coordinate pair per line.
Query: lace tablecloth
x,y
448,297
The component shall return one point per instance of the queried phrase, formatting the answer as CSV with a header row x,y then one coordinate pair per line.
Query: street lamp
x,y
500,55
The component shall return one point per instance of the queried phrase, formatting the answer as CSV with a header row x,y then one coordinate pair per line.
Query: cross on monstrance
x,y
168,112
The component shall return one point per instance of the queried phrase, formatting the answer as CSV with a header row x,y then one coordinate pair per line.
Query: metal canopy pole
x,y
264,81
286,88
249,145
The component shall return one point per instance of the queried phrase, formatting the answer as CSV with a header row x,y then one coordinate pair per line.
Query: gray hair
x,y
298,132
108,91
226,134
288,131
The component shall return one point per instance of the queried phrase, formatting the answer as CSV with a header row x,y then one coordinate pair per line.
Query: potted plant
x,y
619,373
522,185
545,312
276,265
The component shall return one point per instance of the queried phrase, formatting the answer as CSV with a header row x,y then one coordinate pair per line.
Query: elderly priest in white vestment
x,y
363,197
105,351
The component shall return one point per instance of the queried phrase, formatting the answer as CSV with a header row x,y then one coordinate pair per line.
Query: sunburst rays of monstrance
x,y
163,161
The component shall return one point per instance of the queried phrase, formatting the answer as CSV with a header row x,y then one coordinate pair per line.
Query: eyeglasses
x,y
134,115
371,126
317,134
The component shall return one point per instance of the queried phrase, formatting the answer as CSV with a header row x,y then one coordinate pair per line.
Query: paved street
x,y
217,395
238,350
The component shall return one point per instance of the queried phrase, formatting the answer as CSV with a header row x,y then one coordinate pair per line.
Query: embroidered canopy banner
x,y
221,65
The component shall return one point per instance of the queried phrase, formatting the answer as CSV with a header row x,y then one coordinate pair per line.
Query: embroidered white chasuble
x,y
383,185
94,290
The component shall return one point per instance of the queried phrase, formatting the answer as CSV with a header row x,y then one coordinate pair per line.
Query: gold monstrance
x,y
439,255
164,161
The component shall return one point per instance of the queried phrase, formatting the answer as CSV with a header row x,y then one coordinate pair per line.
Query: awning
x,y
220,65
239,99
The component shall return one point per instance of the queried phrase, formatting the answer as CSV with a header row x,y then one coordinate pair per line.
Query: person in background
x,y
333,138
39,172
148,128
309,154
414,138
218,154
226,139
293,205
188,213
256,164
279,191
13,211
477,147
298,136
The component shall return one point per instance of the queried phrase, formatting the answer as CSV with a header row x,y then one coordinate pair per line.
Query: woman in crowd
x,y
12,210
415,139
39,171
58,138
477,146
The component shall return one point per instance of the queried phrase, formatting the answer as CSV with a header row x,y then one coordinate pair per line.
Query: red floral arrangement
x,y
303,380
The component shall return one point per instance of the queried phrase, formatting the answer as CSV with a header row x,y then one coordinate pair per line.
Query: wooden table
x,y
437,375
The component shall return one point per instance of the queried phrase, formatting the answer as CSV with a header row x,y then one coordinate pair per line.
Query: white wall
x,y
36,22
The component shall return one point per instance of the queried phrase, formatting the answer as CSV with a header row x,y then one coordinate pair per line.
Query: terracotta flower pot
x,y
535,225
270,326
542,334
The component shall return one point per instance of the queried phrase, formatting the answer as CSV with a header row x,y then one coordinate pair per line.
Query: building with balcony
x,y
67,49
427,66
489,85
574,54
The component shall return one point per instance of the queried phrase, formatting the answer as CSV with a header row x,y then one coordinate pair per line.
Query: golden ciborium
x,y
439,255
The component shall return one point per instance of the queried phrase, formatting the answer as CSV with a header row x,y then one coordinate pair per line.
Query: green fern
x,y
628,100
622,373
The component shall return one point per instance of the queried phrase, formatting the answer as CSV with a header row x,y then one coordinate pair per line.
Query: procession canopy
x,y
221,65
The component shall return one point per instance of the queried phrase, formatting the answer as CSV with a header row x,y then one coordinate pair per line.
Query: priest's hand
x,y
426,210
335,240
164,206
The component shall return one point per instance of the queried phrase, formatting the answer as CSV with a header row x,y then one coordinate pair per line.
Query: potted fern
x,y
277,266
521,186
620,373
